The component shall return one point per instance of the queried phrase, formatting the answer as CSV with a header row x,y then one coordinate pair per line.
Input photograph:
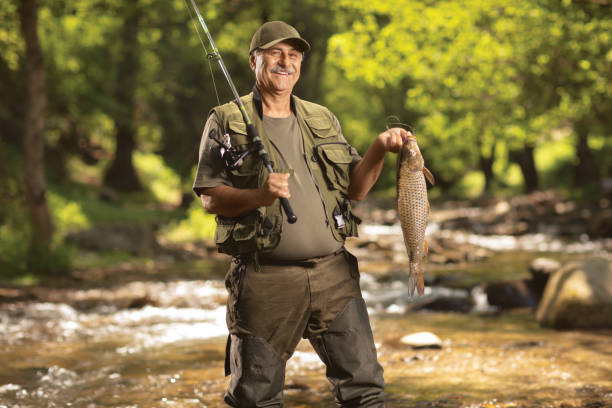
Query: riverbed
x,y
156,338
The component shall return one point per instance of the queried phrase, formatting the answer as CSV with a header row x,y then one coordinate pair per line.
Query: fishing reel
x,y
232,157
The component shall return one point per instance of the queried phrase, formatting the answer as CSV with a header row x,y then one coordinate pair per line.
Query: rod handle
x,y
291,217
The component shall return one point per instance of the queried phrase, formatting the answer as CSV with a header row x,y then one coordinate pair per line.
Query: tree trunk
x,y
121,174
585,167
486,166
524,158
34,142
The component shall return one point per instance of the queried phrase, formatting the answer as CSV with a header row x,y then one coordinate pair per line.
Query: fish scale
x,y
413,209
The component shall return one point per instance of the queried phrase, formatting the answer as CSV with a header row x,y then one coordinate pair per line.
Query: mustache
x,y
279,70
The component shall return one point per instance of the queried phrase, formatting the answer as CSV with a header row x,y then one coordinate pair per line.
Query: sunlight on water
x,y
539,242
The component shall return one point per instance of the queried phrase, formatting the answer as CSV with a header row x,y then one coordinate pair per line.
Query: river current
x,y
161,344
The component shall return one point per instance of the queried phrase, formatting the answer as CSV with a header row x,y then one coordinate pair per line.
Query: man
x,y
289,281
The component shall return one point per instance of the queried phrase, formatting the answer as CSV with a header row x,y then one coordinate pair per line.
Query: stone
x,y
541,269
579,295
510,294
422,340
137,239
600,224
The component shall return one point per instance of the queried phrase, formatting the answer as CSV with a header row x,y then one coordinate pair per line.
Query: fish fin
x,y
428,208
429,176
425,248
411,285
420,282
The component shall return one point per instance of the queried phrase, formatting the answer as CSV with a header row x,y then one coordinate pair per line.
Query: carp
x,y
413,209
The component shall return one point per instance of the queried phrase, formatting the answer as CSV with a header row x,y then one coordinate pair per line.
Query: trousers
x,y
271,307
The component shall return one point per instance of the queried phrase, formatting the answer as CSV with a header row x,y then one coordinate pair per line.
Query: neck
x,y
275,104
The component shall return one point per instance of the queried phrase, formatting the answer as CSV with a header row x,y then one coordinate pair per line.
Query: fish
x,y
413,209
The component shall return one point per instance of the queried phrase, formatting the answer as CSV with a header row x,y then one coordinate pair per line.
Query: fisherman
x,y
289,281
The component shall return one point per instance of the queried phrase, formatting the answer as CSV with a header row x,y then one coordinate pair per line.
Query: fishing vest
x,y
328,157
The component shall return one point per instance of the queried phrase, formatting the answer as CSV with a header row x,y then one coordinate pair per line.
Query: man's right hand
x,y
276,186
232,202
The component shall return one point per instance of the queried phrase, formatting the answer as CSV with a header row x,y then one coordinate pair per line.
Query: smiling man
x,y
289,281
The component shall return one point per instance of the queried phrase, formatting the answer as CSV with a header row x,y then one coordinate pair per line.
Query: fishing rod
x,y
251,130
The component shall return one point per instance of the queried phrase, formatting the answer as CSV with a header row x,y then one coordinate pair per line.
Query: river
x,y
149,341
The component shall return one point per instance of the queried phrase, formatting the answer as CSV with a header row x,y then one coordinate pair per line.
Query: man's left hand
x,y
392,139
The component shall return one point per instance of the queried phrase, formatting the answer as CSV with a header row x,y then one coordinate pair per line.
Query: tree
x,y
487,75
33,141
121,174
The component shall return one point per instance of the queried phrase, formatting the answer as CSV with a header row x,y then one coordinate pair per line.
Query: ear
x,y
252,58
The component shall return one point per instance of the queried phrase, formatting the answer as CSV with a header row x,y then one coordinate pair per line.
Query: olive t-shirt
x,y
310,236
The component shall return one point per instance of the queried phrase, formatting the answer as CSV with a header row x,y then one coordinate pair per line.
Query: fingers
x,y
277,185
394,138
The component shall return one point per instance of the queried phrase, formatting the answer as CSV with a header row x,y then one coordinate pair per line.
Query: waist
x,y
304,263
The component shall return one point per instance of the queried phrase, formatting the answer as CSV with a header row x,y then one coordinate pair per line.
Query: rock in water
x,y
579,295
541,269
422,340
510,294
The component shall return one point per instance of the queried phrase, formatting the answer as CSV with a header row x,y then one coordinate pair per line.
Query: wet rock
x,y
140,302
448,251
579,295
442,299
137,239
422,340
541,269
447,304
600,224
510,294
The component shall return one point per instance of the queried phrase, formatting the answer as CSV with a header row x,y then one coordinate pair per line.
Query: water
x,y
161,344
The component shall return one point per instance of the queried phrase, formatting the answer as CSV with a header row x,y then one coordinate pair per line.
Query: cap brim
x,y
303,44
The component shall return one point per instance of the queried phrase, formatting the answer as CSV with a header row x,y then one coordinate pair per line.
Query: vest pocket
x,y
238,133
236,236
321,126
335,160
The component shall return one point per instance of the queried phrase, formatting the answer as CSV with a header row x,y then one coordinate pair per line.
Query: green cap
x,y
273,32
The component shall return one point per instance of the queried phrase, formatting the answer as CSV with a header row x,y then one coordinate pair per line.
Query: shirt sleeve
x,y
211,170
356,157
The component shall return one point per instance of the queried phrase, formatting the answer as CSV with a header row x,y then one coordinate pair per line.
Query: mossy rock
x,y
579,295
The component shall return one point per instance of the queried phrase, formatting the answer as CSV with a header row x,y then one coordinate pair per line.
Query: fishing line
x,y
208,55
391,121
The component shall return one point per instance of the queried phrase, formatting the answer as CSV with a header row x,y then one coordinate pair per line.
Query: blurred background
x,y
102,105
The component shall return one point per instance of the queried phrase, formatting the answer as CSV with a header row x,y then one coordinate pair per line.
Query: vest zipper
x,y
314,180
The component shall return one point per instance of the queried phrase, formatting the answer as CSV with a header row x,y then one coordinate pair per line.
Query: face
x,y
277,69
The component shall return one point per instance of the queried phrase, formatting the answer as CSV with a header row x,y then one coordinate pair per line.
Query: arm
x,y
231,201
365,173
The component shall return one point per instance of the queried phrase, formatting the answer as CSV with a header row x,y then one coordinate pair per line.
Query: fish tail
x,y
412,279
420,281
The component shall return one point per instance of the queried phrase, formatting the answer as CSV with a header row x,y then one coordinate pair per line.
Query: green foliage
x,y
197,226
163,183
477,80
483,74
